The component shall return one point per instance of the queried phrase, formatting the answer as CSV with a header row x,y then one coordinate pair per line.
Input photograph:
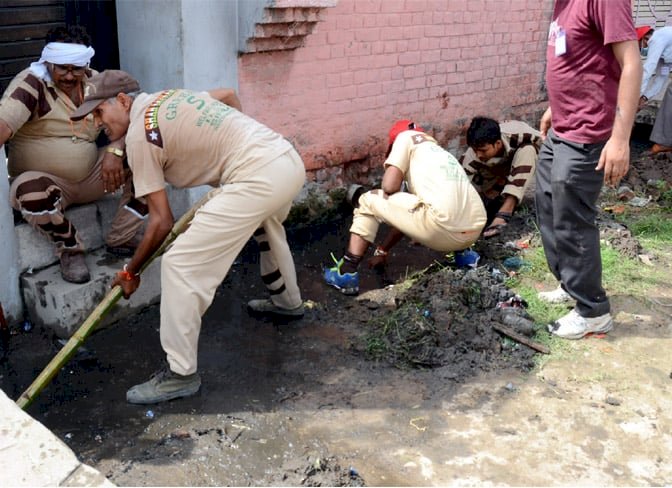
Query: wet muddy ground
x,y
335,399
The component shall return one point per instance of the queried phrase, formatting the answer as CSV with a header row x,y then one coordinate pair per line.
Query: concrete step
x,y
33,456
61,306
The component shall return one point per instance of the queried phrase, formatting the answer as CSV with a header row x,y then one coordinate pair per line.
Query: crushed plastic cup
x,y
149,414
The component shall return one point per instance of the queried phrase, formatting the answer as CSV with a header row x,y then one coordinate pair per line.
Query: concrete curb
x,y
33,456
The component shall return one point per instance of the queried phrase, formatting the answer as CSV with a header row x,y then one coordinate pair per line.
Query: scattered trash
x,y
515,301
149,414
625,193
514,263
645,258
426,313
510,387
496,273
353,472
68,436
639,201
27,326
414,423
467,258
615,209
98,439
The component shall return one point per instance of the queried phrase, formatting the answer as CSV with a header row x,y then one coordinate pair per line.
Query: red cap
x,y
401,126
642,31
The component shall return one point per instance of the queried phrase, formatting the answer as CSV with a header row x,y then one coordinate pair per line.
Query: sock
x,y
350,262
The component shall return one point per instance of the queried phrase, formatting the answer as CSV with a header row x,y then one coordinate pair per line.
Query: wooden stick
x,y
92,321
520,338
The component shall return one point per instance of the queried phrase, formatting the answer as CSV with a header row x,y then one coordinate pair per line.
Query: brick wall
x,y
370,62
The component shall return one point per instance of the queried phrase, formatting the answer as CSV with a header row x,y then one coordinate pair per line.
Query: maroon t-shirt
x,y
583,82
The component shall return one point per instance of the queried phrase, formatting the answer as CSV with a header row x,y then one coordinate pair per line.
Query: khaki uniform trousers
x,y
415,219
42,199
253,201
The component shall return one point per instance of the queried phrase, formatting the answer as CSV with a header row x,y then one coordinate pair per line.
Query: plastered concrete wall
x,y
10,296
370,62
179,43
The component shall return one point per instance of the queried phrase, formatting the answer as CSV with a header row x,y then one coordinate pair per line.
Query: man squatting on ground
x,y
189,139
55,162
440,210
593,76
500,163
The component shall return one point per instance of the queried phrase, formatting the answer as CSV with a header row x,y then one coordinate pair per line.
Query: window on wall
x,y
656,13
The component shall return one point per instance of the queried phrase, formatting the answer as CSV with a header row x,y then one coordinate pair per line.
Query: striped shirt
x,y
43,137
511,173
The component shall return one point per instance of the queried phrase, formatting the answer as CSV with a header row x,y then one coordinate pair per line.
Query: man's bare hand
x,y
128,287
545,123
615,160
112,172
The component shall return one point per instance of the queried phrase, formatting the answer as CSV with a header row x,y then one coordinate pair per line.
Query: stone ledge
x,y
61,306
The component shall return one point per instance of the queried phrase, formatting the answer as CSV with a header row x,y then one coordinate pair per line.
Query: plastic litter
x,y
639,201
149,414
27,326
353,472
513,263
467,258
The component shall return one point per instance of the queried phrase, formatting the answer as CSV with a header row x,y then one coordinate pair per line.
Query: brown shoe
x,y
73,267
658,148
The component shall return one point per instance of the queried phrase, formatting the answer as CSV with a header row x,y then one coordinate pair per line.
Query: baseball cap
x,y
102,86
642,31
401,126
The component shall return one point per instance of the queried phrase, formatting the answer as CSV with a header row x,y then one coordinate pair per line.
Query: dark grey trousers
x,y
566,194
662,127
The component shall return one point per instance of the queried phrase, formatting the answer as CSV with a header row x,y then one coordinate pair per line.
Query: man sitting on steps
x,y
54,162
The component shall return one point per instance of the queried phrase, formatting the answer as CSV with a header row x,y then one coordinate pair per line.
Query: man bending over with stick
x,y
190,139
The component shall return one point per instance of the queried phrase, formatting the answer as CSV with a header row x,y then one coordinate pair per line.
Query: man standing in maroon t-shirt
x,y
593,76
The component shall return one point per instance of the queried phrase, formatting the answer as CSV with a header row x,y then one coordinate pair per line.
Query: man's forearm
x,y
628,96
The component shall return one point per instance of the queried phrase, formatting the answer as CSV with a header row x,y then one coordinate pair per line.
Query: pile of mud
x,y
445,320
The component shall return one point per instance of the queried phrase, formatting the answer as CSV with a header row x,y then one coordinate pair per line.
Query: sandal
x,y
495,229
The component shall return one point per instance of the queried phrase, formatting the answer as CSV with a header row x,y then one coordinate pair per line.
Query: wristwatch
x,y
116,151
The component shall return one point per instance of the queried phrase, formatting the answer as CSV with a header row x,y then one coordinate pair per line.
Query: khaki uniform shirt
x,y
438,180
188,139
43,136
511,173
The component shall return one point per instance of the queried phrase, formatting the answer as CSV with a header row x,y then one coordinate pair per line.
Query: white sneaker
x,y
556,296
573,326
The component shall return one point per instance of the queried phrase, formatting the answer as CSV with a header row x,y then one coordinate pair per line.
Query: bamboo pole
x,y
92,321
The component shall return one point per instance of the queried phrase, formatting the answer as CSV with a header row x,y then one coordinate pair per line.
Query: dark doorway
x,y
99,18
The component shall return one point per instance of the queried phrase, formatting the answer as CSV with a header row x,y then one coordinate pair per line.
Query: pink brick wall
x,y
370,62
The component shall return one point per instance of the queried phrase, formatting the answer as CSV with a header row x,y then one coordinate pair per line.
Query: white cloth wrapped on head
x,y
61,53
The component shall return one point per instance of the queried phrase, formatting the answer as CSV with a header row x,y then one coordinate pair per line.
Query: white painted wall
x,y
10,296
179,43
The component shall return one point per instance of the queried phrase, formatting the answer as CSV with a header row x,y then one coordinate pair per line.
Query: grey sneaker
x,y
559,295
265,305
74,268
574,326
162,386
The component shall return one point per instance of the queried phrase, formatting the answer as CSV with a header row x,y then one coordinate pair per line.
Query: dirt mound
x,y
445,319
650,172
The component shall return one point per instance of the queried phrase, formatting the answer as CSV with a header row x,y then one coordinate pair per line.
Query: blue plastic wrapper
x,y
467,258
